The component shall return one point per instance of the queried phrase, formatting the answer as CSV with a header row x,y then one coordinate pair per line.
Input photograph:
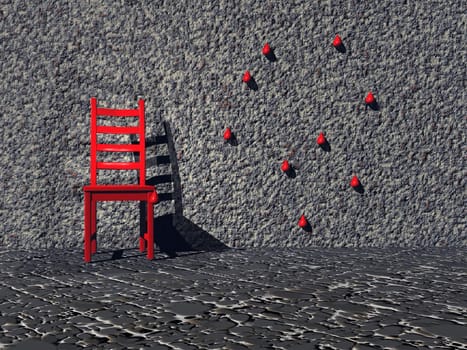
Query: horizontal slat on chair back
x,y
118,165
104,147
117,112
103,129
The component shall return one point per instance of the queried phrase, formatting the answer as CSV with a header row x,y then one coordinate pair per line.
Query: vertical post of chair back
x,y
93,127
142,144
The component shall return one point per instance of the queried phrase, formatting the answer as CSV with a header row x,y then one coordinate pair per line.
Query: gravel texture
x,y
263,298
186,59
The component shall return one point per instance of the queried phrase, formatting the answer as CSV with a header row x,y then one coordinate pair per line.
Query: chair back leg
x,y
142,226
150,222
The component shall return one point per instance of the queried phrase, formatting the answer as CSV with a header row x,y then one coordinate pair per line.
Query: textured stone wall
x,y
186,59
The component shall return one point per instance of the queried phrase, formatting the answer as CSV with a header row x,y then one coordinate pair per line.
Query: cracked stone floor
x,y
258,298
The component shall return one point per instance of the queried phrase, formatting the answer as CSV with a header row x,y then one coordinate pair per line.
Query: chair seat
x,y
118,188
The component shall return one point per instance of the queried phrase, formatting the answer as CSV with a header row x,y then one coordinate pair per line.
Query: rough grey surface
x,y
263,298
186,59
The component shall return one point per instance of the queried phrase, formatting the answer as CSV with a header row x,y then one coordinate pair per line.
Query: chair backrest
x,y
139,148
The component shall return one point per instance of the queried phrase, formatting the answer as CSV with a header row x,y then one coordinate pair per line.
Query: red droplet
x,y
246,77
266,49
303,222
227,134
321,140
285,166
369,99
355,182
337,41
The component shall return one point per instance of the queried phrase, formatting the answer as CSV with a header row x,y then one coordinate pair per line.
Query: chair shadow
x,y
173,232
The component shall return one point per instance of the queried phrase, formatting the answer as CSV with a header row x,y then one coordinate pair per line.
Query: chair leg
x,y
87,227
142,226
150,222
93,227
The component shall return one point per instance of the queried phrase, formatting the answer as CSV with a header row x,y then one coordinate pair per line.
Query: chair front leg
x,y
93,227
87,226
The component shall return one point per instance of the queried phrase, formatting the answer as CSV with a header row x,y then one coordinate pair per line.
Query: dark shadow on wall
x,y
233,140
360,189
374,106
307,228
291,173
341,48
271,56
326,147
252,84
173,232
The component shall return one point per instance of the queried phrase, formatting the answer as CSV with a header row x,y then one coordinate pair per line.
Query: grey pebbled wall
x,y
187,62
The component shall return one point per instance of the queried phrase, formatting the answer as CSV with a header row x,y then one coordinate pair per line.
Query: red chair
x,y
127,192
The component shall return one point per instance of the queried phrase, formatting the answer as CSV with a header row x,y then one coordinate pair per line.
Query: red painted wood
x,y
118,165
118,112
150,232
116,188
142,144
93,140
119,196
103,147
94,192
87,227
105,129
